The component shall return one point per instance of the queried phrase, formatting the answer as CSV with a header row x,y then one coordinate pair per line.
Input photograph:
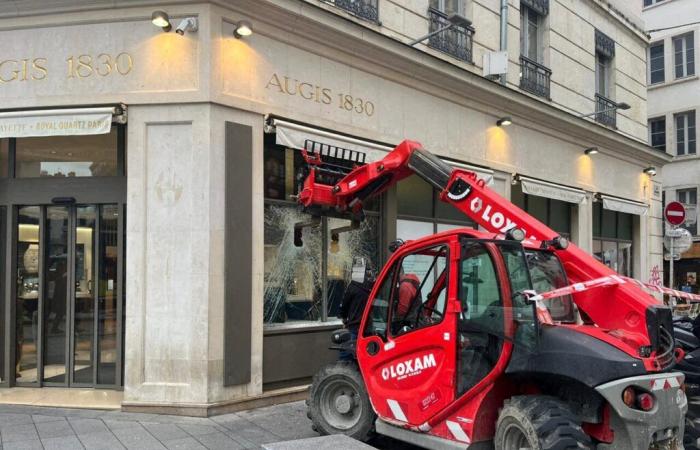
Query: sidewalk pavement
x,y
32,427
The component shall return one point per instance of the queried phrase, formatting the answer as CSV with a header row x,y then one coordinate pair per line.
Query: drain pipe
x,y
504,35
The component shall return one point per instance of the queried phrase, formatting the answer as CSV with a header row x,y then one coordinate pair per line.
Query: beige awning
x,y
554,191
56,122
624,206
294,135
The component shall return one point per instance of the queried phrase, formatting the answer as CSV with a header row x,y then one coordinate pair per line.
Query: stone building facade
x,y
154,255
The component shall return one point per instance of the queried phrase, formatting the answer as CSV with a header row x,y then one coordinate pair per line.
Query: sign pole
x,y
670,263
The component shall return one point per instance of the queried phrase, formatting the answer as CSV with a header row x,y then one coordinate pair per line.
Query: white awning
x,y
554,191
293,135
56,122
624,206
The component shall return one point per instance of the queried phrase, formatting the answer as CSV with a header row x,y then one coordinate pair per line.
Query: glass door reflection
x,y
27,295
84,295
55,294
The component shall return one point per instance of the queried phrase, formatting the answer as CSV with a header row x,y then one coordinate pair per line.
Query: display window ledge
x,y
301,326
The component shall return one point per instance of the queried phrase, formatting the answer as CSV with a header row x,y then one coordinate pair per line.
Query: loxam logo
x,y
409,367
497,219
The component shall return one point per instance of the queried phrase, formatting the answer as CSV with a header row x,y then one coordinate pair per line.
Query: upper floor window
x,y
656,63
364,9
685,133
448,6
657,133
530,34
457,40
684,55
602,74
689,197
652,2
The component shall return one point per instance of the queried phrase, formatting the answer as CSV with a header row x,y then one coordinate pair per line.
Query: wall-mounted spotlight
x,y
242,28
591,151
504,121
188,24
651,171
161,20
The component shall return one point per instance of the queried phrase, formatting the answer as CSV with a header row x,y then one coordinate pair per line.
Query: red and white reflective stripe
x,y
457,431
612,280
665,383
396,410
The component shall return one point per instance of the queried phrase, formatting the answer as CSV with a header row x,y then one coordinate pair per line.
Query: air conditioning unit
x,y
495,64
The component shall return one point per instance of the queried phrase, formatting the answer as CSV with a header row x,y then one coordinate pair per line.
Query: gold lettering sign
x,y
319,94
78,66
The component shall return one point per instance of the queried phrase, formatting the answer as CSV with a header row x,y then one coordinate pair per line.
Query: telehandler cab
x,y
473,355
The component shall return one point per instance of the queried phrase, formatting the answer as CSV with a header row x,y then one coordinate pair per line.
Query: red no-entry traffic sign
x,y
675,213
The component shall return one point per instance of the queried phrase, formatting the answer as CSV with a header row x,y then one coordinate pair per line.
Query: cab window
x,y
420,291
379,312
548,274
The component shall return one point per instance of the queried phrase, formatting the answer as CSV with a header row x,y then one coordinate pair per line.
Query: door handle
x,y
372,348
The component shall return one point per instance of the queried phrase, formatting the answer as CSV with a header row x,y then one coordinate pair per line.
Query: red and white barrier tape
x,y
607,281
613,280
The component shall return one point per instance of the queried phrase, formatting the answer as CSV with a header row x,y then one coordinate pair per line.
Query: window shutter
x,y
604,44
541,7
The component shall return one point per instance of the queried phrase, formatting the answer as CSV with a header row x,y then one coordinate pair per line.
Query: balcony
x,y
364,9
607,115
534,77
457,41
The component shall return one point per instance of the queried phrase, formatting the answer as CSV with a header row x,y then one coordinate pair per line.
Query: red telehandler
x,y
458,348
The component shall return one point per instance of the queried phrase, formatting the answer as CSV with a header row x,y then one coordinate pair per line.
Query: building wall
x,y
303,61
675,95
570,53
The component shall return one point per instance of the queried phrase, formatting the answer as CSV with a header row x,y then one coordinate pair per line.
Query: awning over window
x,y
554,191
624,206
56,122
294,135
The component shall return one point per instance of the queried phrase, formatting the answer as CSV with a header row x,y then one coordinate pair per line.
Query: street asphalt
x,y
28,427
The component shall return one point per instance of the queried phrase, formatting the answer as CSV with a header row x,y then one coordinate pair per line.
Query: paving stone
x,y
100,441
140,417
38,418
137,438
165,431
10,418
120,424
16,433
220,441
197,430
188,443
54,429
334,442
33,444
62,443
87,426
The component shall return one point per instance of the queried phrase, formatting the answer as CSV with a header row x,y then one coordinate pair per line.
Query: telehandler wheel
x,y
538,422
338,402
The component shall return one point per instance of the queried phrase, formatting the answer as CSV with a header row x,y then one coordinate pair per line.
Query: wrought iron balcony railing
x,y
534,77
605,111
456,41
364,9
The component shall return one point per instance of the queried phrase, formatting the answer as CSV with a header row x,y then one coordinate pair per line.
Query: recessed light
x,y
504,121
651,171
591,151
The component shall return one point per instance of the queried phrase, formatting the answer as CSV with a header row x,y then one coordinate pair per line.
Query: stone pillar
x,y
582,224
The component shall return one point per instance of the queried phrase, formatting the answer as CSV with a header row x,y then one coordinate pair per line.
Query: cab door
x,y
407,347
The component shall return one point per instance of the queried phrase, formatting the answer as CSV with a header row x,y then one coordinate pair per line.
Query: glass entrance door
x,y
68,296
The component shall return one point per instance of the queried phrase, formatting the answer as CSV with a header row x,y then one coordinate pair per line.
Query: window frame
x,y
686,201
617,240
662,70
687,66
686,116
441,5
395,287
526,14
603,71
652,133
648,3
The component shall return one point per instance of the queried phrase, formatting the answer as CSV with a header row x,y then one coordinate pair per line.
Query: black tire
x,y
539,422
691,435
338,402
